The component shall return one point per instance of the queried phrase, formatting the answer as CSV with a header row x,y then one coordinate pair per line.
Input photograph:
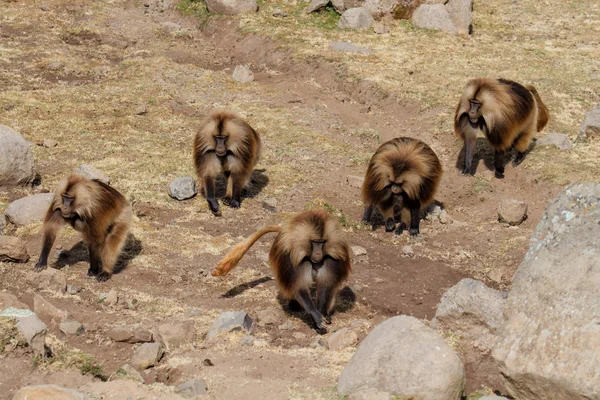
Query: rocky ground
x,y
121,86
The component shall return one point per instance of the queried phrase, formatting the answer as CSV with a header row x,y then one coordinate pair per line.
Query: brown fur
x,y
99,212
290,259
510,114
243,152
413,167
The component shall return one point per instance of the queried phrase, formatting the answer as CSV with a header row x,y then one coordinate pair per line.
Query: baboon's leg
x,y
52,224
209,189
95,259
112,249
522,145
469,149
499,163
386,207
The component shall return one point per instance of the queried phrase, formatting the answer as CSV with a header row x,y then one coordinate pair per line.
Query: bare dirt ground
x,y
75,72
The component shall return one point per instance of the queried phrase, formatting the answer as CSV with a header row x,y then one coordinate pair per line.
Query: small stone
x,y
369,394
318,343
71,327
147,355
341,339
192,389
110,299
380,28
270,204
182,188
408,251
444,218
268,316
170,27
350,48
34,331
173,335
247,340
130,334
286,326
356,18
355,181
91,172
48,312
141,110
56,66
559,140
316,5
9,107
591,124
47,392
358,251
49,143
28,210
72,289
13,249
512,212
128,372
279,13
242,74
230,321
50,279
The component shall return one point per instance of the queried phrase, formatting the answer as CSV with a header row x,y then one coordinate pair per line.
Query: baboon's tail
x,y
235,255
543,114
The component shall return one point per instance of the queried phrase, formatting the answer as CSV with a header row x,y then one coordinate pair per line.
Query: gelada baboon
x,y
402,169
225,142
99,212
310,249
506,112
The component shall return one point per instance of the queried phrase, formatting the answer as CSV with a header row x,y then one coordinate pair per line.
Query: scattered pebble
x,y
141,110
358,251
49,143
341,339
242,74
270,204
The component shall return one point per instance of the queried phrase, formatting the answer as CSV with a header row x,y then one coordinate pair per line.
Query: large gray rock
x,y
147,355
591,123
182,188
13,249
548,348
403,357
230,321
173,335
473,310
231,7
91,172
356,18
28,210
433,16
47,392
559,140
461,14
16,158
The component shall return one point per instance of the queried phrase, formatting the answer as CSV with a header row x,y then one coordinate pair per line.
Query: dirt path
x,y
75,72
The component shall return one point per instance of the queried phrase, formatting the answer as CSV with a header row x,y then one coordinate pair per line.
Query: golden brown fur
x,y
225,142
292,258
411,169
98,211
506,112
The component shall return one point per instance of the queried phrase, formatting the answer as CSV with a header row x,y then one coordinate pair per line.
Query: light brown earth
x,y
321,115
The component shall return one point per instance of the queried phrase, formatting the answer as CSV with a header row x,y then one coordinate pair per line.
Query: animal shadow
x,y
239,289
345,301
483,152
377,220
258,181
80,253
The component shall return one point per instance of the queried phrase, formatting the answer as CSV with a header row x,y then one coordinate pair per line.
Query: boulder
x,y
71,327
231,7
13,249
28,210
556,139
403,357
182,188
316,5
173,335
356,18
548,346
230,321
473,310
339,6
461,14
48,312
512,212
34,332
147,355
242,74
91,172
130,334
591,124
47,392
16,158
433,16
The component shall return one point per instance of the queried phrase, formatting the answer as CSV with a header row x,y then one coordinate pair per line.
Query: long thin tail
x,y
543,114
235,255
